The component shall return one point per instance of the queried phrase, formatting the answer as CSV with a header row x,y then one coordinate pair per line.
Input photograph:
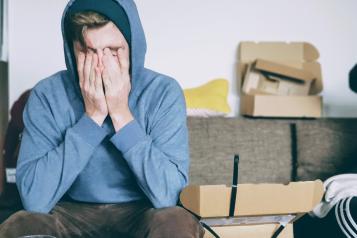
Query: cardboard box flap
x,y
283,71
317,85
278,51
301,55
319,192
191,196
253,199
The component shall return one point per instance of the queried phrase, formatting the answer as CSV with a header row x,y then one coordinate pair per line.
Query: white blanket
x,y
336,188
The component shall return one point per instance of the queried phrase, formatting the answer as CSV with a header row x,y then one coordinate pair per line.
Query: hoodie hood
x,y
137,45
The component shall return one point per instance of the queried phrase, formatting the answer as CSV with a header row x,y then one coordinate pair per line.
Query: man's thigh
x,y
71,219
166,222
132,219
65,220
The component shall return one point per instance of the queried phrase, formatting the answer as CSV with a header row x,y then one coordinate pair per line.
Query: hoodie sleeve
x,y
159,159
50,159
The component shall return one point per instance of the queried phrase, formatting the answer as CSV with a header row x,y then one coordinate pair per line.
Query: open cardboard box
x,y
258,210
299,55
267,77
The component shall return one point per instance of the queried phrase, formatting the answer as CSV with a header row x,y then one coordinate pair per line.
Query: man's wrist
x,y
121,119
97,119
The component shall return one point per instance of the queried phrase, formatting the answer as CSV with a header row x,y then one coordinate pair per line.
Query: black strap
x,y
234,186
233,198
278,231
209,229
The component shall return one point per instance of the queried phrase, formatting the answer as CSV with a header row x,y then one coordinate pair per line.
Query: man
x,y
105,146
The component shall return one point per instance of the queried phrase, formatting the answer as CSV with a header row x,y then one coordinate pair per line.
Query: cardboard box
x,y
258,209
300,55
267,77
281,106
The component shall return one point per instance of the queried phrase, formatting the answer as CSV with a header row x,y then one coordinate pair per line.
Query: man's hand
x,y
90,81
116,80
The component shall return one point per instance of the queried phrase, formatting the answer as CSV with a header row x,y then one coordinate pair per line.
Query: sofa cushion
x,y
326,147
264,147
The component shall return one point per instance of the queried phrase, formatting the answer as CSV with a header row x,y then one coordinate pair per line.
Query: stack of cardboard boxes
x,y
280,80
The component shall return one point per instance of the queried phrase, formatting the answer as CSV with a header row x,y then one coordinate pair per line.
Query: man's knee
x,y
174,222
24,223
21,217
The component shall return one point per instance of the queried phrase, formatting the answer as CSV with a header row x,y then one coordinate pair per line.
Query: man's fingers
x,y
106,63
94,65
80,65
87,68
98,79
110,61
123,59
106,78
107,58
100,59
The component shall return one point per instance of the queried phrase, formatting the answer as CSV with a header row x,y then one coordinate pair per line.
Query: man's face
x,y
97,39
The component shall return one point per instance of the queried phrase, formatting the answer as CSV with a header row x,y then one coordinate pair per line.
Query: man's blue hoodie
x,y
64,152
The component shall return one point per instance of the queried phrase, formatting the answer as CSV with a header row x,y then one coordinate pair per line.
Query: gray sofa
x,y
276,151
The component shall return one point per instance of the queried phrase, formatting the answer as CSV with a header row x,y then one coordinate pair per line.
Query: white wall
x,y
196,40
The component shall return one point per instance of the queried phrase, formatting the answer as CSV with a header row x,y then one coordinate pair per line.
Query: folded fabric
x,y
336,188
208,100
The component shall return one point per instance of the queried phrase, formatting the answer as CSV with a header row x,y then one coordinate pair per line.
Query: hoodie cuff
x,y
89,131
128,136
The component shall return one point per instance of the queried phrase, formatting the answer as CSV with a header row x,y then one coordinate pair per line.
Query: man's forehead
x,y
107,36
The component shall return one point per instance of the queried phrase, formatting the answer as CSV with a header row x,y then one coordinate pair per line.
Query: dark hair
x,y
81,21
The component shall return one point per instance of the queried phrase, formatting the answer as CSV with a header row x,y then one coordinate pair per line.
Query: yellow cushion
x,y
209,99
